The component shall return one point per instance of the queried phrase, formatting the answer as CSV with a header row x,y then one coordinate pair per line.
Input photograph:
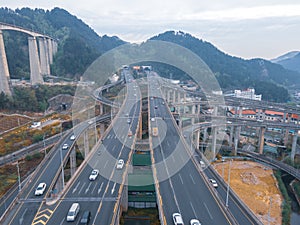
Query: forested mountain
x,y
290,60
232,72
78,44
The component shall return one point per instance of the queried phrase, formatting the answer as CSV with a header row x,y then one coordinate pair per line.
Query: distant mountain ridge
x,y
233,72
290,60
79,45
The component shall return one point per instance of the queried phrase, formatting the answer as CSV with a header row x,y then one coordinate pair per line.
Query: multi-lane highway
x,y
182,187
100,196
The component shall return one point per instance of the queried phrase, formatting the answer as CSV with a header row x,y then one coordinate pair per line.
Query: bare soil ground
x,y
255,184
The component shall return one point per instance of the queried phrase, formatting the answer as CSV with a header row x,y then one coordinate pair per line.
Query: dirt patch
x,y
256,186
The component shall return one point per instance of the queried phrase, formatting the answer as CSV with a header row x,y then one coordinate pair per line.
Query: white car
x,y
195,222
94,174
152,119
40,189
177,219
65,146
128,121
72,138
213,182
120,164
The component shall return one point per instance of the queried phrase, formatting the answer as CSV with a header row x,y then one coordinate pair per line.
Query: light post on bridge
x,y
228,184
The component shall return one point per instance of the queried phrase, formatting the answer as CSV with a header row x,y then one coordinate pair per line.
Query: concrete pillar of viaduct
x,y
73,161
294,146
86,144
236,139
35,70
4,72
197,139
44,56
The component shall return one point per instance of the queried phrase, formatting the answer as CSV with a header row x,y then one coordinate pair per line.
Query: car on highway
x,y
128,121
177,219
72,138
94,174
156,107
65,146
152,119
40,189
213,182
120,164
195,222
86,217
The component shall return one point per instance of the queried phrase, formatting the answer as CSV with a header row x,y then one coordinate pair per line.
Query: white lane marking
x,y
94,188
22,217
105,164
75,189
81,188
180,178
192,178
100,188
113,189
88,188
114,148
173,158
61,223
193,209
207,210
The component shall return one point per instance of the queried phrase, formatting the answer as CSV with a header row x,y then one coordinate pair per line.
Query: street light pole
x,y
62,169
228,184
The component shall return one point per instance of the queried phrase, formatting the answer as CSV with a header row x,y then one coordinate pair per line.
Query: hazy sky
x,y
248,29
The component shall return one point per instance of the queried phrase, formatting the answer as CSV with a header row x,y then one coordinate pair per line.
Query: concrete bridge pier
x,y
73,161
86,144
205,135
231,135
4,72
44,56
294,146
169,95
213,141
197,139
194,113
198,109
49,44
102,129
236,139
178,96
261,141
35,70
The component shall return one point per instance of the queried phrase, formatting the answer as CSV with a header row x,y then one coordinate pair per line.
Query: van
x,y
73,212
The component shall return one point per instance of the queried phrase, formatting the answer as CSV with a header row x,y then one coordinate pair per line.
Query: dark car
x,y
85,217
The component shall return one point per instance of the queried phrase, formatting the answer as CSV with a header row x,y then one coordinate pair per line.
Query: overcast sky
x,y
243,28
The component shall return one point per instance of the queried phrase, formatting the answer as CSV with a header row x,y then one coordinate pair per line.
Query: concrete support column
x,y
174,96
44,60
86,144
180,123
231,135
101,109
205,134
50,50
197,139
169,95
4,72
102,129
198,109
261,140
184,96
35,70
236,139
286,137
240,112
193,113
178,96
236,111
73,161
213,141
294,146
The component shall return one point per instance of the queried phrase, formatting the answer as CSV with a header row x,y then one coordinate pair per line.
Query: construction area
x,y
256,185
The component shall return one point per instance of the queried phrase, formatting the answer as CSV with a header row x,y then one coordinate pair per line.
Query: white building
x,y
248,93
